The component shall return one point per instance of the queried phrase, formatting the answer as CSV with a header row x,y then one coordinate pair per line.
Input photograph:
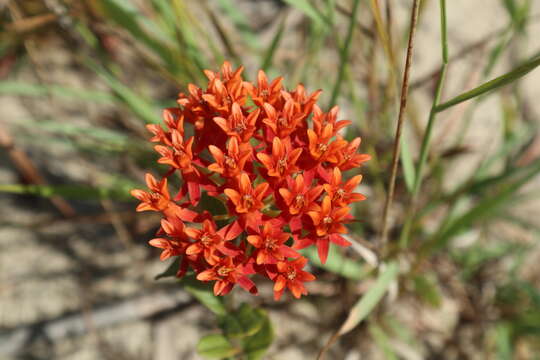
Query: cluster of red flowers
x,y
280,180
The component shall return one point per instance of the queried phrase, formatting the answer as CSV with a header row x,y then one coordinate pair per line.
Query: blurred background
x,y
79,79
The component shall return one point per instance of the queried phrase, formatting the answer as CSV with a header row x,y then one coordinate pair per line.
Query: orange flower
x,y
247,199
291,276
260,168
232,164
328,219
270,245
282,161
343,195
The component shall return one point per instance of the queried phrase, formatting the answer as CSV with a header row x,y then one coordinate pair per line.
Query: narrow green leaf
x,y
139,105
26,89
488,206
372,297
202,291
308,9
79,192
127,16
216,347
491,85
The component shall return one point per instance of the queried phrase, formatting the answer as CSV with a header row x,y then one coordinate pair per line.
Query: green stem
x,y
424,150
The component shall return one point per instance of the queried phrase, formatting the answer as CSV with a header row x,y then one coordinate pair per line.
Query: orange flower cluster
x,y
275,161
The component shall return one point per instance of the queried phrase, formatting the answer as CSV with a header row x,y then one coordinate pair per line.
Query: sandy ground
x,y
76,291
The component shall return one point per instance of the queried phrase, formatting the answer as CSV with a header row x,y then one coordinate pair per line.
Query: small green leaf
x,y
202,291
216,347
245,321
256,345
171,270
372,297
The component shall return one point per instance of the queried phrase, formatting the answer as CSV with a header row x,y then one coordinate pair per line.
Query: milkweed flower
x,y
274,160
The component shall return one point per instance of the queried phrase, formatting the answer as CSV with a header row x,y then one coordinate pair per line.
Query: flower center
x,y
339,194
240,127
229,161
299,201
224,271
206,240
248,200
271,243
327,220
291,274
282,165
322,148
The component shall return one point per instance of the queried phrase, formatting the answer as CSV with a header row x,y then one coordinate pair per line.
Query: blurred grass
x,y
171,42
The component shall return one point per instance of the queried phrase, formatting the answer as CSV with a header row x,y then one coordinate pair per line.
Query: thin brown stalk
x,y
401,118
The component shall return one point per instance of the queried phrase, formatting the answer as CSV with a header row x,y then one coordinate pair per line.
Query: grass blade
x,y
488,206
26,89
308,9
491,85
142,107
79,192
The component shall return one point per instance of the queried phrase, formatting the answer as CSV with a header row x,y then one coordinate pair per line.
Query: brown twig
x,y
401,117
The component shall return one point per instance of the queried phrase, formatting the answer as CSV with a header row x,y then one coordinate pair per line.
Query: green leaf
x,y
491,85
171,270
373,296
256,345
243,322
216,347
337,263
203,292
